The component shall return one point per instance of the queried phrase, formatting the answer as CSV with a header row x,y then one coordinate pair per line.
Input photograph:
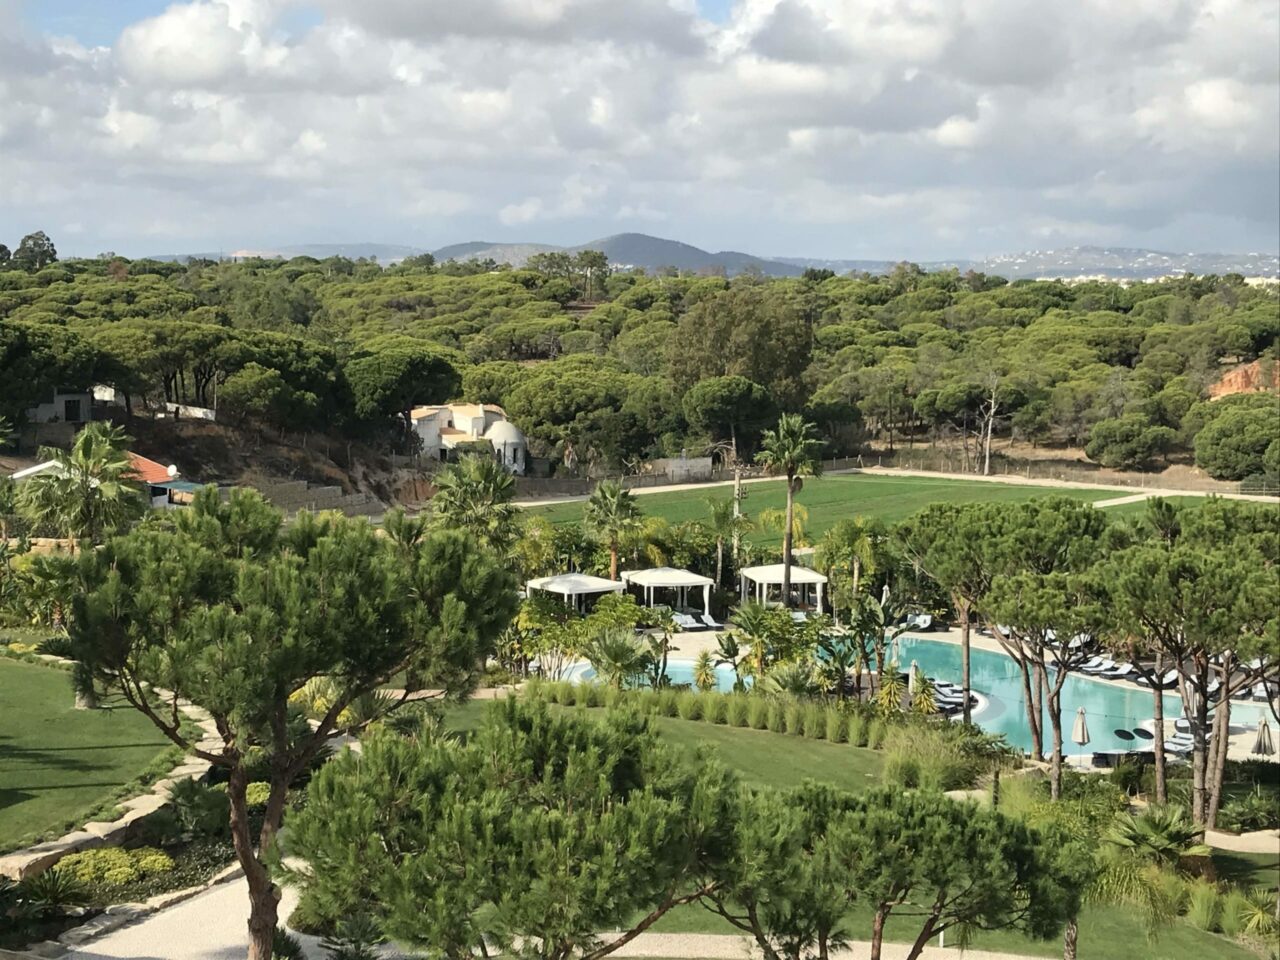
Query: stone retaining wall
x,y
31,861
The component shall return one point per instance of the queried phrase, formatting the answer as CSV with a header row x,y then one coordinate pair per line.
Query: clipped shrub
x,y
714,708
815,721
257,794
837,726
1204,905
668,703
737,710
793,719
876,733
776,720
757,713
857,730
689,706
114,866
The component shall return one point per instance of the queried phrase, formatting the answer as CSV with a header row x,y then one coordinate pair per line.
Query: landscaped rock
x,y
112,832
34,860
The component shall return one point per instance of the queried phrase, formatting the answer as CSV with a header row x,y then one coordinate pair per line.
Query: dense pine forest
x,y
623,366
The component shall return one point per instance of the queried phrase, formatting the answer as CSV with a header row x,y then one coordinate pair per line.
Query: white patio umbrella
x,y
911,678
1264,745
1080,732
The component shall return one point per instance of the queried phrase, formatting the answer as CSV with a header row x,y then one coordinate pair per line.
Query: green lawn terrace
x,y
60,765
834,497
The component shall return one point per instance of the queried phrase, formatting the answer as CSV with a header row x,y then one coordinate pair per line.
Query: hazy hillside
x,y
653,253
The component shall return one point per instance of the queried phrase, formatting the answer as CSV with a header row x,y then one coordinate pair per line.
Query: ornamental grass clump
x,y
815,721
562,692
1204,905
689,706
876,733
793,719
714,708
757,712
837,725
668,701
776,719
857,730
737,710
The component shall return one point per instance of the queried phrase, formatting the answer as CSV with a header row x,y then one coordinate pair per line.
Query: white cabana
x,y
670,578
758,580
574,586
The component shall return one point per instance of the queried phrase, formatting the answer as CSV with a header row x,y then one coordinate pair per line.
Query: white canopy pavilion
x,y
758,580
574,586
670,578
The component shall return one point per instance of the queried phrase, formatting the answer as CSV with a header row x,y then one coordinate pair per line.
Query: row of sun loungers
x,y
703,621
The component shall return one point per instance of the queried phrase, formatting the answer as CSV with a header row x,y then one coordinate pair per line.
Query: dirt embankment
x,y
1252,377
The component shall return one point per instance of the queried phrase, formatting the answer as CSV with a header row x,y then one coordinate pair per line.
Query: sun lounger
x,y
798,616
1102,667
1260,693
686,622
1122,670
710,622
1091,664
1166,681
919,621
1177,746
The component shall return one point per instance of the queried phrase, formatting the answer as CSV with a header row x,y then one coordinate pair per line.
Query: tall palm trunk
x,y
1069,939
786,540
613,560
719,562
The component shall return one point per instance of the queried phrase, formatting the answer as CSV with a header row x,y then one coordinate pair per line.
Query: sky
x,y
884,129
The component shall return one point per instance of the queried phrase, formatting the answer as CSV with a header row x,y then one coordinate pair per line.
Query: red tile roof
x,y
148,471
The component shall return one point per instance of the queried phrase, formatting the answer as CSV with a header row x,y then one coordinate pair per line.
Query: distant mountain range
x,y
626,250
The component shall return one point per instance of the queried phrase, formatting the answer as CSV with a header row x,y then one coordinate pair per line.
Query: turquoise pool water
x,y
1113,711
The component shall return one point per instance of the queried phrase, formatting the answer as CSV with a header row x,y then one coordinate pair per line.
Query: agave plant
x,y
51,893
1160,834
704,671
889,693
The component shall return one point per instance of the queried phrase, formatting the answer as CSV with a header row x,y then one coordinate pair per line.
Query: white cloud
x,y
929,127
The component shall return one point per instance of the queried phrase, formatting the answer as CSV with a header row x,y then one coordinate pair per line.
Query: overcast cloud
x,y
841,128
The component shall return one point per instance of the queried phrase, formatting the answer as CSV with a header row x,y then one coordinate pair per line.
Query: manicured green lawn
x,y
759,757
1248,869
831,498
1106,933
58,763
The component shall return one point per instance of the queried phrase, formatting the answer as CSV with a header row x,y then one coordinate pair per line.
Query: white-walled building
x,y
72,406
445,428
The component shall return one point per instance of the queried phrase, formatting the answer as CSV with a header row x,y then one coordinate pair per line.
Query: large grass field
x,y
58,763
834,497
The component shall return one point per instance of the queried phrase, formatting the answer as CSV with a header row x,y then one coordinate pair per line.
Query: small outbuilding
x,y
757,581
670,578
574,586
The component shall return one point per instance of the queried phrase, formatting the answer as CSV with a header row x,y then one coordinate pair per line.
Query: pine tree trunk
x,y
1069,940
922,940
1222,730
1055,722
1157,718
877,934
86,700
264,896
719,562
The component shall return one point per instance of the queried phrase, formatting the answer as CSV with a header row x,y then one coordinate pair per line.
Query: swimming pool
x,y
1113,711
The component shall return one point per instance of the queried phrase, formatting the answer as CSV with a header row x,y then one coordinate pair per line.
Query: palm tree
x,y
91,491
618,656
851,545
728,653
1160,834
726,525
477,494
704,671
775,521
610,515
755,623
791,680
789,450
